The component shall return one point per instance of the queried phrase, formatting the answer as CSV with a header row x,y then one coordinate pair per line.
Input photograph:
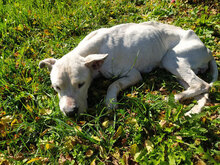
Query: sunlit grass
x,y
144,129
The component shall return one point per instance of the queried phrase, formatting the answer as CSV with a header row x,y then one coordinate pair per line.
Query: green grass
x,y
145,129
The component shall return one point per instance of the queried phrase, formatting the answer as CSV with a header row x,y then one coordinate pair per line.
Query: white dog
x,y
125,51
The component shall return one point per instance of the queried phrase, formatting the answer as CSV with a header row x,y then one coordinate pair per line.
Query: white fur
x,y
132,49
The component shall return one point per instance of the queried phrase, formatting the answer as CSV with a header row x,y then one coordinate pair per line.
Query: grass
x,y
143,130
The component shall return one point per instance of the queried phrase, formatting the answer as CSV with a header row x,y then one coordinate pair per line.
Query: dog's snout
x,y
68,106
72,112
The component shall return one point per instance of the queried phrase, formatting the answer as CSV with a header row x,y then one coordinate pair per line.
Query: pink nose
x,y
70,108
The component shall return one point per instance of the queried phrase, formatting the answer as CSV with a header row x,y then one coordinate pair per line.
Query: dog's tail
x,y
214,71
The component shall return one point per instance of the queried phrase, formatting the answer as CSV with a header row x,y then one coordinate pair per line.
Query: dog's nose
x,y
72,112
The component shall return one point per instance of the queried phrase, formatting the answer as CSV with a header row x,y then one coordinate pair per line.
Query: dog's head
x,y
71,77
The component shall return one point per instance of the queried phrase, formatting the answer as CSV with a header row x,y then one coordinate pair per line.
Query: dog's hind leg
x,y
131,78
201,101
195,87
183,83
182,70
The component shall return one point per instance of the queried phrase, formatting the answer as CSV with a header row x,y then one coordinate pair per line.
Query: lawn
x,y
145,129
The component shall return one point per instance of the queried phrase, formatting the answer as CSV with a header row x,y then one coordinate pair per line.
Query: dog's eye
x,y
81,84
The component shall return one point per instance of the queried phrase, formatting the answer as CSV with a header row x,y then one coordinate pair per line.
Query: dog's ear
x,y
48,62
95,61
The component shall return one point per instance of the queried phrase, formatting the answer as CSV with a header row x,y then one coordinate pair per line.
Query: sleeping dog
x,y
125,51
